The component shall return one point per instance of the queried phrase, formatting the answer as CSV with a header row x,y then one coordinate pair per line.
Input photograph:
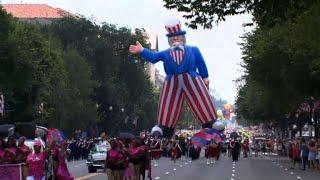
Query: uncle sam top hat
x,y
174,28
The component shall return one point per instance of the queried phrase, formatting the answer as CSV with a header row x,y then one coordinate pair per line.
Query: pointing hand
x,y
135,49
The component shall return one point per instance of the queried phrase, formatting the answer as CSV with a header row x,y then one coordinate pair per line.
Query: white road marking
x,y
185,163
174,169
87,176
286,169
233,167
232,174
167,173
78,165
298,177
291,172
157,177
233,170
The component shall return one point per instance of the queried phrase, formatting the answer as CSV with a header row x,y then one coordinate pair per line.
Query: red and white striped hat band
x,y
174,30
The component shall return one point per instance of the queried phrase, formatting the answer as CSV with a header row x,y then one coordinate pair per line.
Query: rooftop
x,y
35,11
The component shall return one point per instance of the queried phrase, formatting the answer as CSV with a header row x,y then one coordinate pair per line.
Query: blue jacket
x,y
304,150
192,62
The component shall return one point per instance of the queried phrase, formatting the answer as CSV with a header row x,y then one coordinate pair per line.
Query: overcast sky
x,y
218,45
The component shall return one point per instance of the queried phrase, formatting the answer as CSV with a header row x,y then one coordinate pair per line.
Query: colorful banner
x,y
11,171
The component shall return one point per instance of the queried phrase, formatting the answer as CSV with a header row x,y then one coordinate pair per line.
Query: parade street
x,y
253,168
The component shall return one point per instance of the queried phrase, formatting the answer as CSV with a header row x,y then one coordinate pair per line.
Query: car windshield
x,y
100,148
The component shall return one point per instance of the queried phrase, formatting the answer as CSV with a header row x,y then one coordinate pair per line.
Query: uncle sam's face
x,y
177,40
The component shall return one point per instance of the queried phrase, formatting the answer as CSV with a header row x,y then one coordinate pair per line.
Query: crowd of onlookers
x,y
304,152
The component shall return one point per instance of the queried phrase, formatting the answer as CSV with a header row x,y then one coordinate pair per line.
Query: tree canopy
x,y
68,74
266,13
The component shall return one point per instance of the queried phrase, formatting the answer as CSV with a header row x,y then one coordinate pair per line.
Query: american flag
x,y
177,54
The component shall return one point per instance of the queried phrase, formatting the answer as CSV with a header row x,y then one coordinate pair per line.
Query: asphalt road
x,y
253,168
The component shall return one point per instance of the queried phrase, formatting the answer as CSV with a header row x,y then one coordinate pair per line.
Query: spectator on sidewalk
x,y
304,153
318,153
312,153
295,155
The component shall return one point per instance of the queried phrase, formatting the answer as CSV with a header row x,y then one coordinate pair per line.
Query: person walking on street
x,y
304,153
235,148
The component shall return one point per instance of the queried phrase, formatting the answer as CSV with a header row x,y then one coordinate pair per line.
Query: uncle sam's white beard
x,y
177,44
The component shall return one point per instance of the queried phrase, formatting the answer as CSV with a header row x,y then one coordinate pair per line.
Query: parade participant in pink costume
x,y
63,172
2,144
9,155
134,155
23,150
36,163
115,162
187,79
54,152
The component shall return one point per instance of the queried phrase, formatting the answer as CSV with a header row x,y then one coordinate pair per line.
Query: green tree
x,y
121,78
281,63
265,13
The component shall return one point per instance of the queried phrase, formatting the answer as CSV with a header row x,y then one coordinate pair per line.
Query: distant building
x,y
152,72
36,13
159,79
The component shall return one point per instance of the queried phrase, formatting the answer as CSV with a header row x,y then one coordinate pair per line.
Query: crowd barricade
x,y
12,171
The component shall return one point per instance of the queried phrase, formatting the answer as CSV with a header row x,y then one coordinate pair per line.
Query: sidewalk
x,y
285,163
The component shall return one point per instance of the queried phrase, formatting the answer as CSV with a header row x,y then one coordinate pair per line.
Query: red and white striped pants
x,y
183,87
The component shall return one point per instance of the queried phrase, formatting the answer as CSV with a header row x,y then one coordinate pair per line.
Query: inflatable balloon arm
x,y
145,53
201,65
152,57
135,49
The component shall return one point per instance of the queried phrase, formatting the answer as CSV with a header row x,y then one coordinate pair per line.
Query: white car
x,y
97,156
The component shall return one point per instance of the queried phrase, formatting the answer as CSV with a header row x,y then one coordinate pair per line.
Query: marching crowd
x,y
80,148
38,161
131,158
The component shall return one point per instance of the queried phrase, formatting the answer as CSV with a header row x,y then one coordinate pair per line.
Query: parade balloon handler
x,y
186,79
